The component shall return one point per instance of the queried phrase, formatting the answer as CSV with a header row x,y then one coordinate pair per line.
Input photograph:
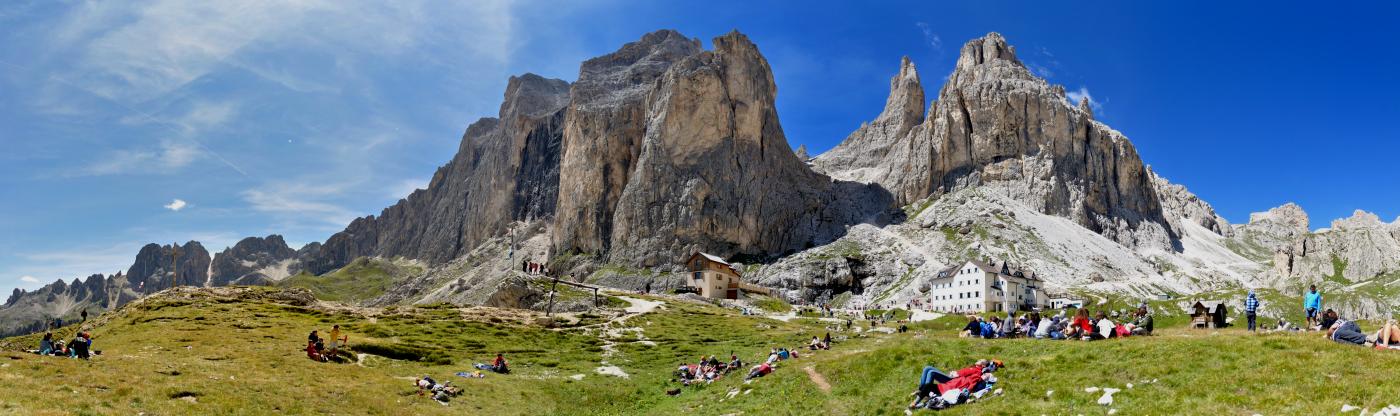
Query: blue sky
x,y
124,123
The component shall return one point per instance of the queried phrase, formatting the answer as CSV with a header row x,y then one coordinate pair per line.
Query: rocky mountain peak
x,y
1085,107
532,95
801,153
1289,215
1359,220
905,105
988,57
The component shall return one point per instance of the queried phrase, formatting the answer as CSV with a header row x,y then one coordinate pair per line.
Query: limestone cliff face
x,y
253,259
603,132
996,124
152,272
715,172
506,169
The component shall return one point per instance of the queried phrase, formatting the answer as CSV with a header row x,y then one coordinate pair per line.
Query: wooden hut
x,y
1208,314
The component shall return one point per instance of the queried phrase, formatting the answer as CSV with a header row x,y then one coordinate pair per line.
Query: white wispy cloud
x,y
301,201
1081,94
176,205
168,157
930,37
28,279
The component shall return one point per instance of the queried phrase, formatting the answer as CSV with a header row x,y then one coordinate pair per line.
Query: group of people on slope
x,y
939,390
317,350
79,347
823,343
1080,326
1329,321
707,370
1348,332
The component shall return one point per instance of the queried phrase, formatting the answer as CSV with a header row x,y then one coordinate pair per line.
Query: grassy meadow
x,y
222,355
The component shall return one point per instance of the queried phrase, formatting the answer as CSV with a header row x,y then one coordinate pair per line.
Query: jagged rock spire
x,y
905,105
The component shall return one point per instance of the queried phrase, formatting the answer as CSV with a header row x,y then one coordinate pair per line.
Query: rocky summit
x,y
664,148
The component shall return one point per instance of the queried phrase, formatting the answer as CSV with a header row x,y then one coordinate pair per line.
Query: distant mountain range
x,y
663,148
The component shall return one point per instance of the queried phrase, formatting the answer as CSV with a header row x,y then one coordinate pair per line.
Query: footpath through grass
x,y
221,356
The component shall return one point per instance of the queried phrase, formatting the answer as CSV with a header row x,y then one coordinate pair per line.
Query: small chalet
x,y
712,277
1208,314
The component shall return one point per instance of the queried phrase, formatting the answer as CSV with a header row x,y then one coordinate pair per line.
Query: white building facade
x,y
975,287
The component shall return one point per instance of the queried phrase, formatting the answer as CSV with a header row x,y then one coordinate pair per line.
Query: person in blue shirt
x,y
1251,305
1312,303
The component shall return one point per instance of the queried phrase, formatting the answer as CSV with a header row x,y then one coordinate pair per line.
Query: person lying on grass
x,y
932,377
441,392
1388,337
956,390
760,371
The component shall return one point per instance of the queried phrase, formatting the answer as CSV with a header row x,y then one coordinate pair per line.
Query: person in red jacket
x,y
960,383
1080,326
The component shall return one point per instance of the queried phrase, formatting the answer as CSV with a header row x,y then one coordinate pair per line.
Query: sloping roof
x,y
1210,305
948,272
715,259
997,268
985,267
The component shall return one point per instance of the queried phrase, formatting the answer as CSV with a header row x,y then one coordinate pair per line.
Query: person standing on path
x,y
1312,304
1251,306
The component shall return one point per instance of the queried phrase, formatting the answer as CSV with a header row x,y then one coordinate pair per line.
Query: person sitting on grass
x,y
826,341
313,353
1042,329
784,354
46,344
759,371
1142,325
1080,327
973,328
734,363
499,365
1104,325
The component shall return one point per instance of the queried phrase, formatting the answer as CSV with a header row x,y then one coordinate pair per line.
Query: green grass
x,y
771,304
361,280
244,357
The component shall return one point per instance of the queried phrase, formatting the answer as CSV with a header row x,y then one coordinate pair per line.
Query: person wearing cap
x,y
1251,305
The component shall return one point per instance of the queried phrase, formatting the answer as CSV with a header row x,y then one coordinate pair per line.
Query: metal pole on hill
x,y
552,289
174,264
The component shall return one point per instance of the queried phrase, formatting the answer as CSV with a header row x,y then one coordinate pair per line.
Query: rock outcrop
x,y
506,169
603,132
996,124
715,172
251,260
1179,204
